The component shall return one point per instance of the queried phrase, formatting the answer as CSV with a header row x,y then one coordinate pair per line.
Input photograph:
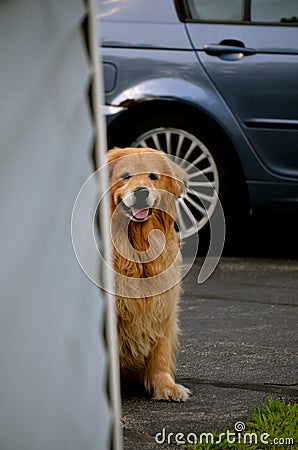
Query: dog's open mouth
x,y
138,214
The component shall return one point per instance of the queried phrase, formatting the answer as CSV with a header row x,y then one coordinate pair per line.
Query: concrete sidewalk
x,y
238,347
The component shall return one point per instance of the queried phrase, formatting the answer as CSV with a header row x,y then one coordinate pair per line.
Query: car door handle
x,y
228,51
220,49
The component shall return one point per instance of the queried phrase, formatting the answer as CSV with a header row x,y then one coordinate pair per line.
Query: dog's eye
x,y
153,176
125,176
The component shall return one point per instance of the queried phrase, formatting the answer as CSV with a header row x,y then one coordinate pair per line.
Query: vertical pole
x,y
107,275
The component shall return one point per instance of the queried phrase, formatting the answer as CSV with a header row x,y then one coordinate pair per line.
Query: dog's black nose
x,y
141,193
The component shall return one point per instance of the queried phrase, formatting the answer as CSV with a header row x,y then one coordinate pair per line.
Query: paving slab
x,y
238,348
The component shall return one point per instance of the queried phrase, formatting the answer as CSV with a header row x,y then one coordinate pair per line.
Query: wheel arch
x,y
138,111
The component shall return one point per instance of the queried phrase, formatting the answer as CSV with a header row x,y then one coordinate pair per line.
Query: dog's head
x,y
143,182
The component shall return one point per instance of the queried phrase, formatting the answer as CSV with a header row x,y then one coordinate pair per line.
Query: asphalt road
x,y
238,348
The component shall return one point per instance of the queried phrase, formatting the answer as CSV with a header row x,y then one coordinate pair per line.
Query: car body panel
x,y
261,88
136,35
173,76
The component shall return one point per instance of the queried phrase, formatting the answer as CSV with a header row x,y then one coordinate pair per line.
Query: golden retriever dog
x,y
147,260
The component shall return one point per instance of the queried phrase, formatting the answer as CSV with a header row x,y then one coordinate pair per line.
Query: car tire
x,y
205,146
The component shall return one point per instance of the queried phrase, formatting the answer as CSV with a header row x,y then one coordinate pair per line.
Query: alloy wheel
x,y
199,199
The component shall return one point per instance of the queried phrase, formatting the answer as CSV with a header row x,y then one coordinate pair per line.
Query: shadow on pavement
x,y
270,237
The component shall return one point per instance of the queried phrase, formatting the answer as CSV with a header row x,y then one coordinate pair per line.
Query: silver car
x,y
216,84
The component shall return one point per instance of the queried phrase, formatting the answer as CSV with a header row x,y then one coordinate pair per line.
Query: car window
x,y
144,11
281,11
262,11
225,10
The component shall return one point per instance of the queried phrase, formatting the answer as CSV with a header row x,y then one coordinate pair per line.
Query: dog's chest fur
x,y
145,272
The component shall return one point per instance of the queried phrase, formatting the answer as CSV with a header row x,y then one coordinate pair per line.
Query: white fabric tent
x,y
54,362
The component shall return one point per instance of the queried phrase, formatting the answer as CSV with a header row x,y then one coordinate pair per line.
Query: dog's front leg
x,y
159,373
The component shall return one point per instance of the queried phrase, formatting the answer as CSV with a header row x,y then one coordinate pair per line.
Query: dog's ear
x,y
179,177
111,158
114,154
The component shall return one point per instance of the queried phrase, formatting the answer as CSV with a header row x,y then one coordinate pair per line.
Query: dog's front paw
x,y
174,392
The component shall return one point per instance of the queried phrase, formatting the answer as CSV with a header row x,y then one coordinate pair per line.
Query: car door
x,y
249,49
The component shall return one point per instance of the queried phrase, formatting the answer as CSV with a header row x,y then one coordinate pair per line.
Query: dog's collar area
x,y
137,214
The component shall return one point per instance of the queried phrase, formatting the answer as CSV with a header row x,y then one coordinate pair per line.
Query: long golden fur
x,y
147,260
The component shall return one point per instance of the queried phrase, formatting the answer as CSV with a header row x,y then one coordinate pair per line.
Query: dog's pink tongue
x,y
140,213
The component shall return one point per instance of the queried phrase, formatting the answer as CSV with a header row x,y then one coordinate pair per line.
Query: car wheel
x,y
213,171
199,199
